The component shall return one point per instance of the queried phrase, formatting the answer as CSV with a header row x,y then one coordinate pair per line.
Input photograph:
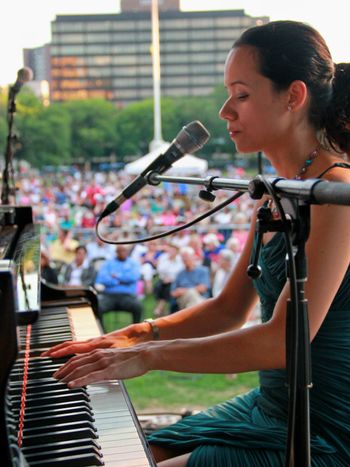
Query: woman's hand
x,y
125,337
104,364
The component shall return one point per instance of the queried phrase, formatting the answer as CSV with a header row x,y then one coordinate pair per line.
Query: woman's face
x,y
256,114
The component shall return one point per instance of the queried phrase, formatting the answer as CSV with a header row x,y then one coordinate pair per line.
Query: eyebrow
x,y
233,83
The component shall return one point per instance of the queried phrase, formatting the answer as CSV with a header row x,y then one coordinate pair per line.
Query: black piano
x,y
42,422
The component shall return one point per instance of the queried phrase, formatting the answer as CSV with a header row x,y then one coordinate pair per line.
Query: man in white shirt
x,y
79,271
168,266
226,262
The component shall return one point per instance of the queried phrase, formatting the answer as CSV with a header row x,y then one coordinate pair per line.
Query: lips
x,y
233,133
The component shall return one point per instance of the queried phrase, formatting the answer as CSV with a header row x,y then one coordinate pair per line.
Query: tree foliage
x,y
45,138
64,133
92,128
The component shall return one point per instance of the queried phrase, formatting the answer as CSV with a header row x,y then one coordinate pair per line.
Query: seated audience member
x,y
226,262
233,245
240,232
168,266
48,273
63,248
196,242
97,249
192,284
79,271
148,261
211,251
116,282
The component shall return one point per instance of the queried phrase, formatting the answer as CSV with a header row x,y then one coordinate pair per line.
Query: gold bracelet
x,y
155,328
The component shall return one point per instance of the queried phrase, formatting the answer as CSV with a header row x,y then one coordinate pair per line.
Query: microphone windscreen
x,y
192,137
24,75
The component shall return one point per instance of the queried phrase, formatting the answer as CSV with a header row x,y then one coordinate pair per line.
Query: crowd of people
x,y
178,271
67,206
74,199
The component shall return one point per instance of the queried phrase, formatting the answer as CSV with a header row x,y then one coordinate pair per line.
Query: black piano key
x,y
58,418
38,430
69,407
66,452
36,387
84,460
77,407
71,395
31,439
69,444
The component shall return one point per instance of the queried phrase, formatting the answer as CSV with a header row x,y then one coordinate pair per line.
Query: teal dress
x,y
251,430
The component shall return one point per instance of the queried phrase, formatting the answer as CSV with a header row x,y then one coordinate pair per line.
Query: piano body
x,y
42,422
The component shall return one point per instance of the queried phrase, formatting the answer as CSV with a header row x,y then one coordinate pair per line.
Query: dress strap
x,y
343,165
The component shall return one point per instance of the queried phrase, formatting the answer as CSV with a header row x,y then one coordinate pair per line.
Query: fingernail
x,y
71,384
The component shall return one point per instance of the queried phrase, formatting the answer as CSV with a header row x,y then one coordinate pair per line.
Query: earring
x,y
289,108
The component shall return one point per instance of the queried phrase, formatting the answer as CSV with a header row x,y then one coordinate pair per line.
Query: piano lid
x,y
24,264
27,264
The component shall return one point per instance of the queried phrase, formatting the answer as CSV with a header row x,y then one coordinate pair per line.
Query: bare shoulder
x,y
339,173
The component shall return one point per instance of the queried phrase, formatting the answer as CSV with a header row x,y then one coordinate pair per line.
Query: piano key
x,y
76,460
98,415
75,450
30,439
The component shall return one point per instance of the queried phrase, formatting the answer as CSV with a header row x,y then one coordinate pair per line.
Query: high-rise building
x,y
145,5
109,55
38,59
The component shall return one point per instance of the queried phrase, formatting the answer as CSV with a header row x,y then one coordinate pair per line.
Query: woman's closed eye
x,y
242,97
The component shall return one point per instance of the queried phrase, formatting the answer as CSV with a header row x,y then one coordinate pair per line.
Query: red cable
x,y
24,386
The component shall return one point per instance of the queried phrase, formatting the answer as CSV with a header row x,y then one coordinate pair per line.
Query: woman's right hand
x,y
126,337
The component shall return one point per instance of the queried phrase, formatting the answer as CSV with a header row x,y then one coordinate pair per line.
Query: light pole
x,y
157,140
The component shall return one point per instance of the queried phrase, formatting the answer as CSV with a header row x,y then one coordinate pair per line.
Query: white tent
x,y
187,165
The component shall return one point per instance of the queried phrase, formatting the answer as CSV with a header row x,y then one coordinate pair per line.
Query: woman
x,y
279,78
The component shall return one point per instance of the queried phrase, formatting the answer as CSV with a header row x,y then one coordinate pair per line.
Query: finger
x,y
55,348
94,377
67,368
80,372
74,348
79,361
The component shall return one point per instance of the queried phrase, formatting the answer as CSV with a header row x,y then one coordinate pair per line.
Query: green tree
x,y
206,110
3,134
25,103
45,136
92,128
134,128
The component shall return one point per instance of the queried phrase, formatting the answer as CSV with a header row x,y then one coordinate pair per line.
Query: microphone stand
x,y
8,173
296,197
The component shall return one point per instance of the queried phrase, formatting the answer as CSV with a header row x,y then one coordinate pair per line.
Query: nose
x,y
226,112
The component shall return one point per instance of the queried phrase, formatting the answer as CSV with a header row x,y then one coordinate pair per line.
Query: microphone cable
x,y
171,231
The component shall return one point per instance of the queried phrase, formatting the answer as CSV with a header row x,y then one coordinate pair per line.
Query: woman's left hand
x,y
103,365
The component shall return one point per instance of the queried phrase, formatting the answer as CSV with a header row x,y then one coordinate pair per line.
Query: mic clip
x,y
265,223
207,193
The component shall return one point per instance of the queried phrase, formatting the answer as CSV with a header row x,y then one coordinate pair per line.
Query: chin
x,y
246,149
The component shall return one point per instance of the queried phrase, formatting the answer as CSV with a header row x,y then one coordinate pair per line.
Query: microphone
x,y
190,139
23,76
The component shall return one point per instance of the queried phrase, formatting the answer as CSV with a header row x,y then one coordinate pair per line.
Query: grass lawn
x,y
164,391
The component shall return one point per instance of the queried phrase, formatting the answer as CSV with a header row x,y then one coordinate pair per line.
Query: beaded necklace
x,y
310,158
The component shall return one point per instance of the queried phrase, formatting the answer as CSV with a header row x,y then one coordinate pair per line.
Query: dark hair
x,y
81,247
289,51
337,120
